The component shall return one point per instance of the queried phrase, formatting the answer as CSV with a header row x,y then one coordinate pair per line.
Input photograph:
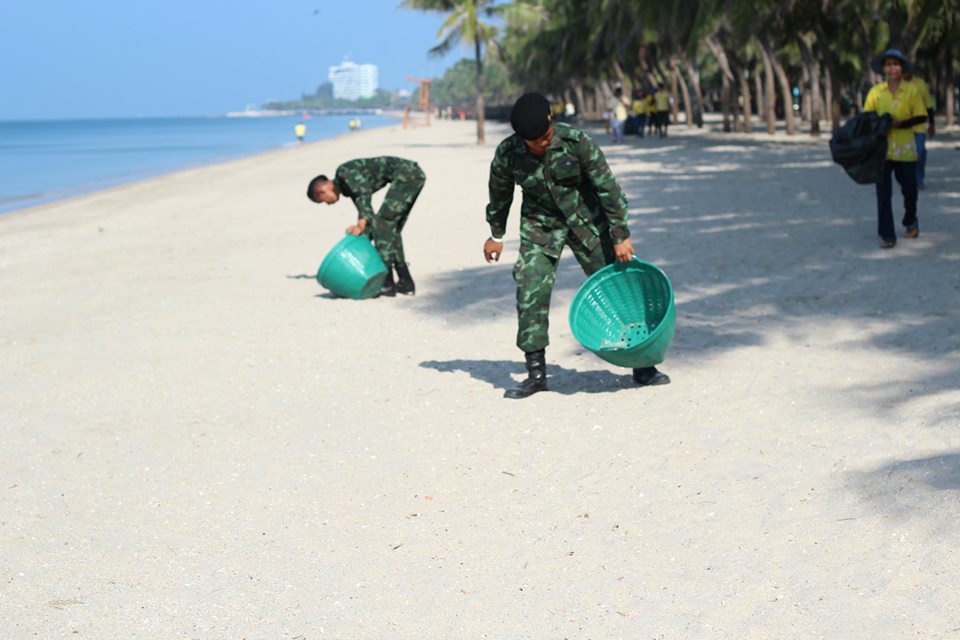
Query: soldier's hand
x,y
358,228
492,250
623,251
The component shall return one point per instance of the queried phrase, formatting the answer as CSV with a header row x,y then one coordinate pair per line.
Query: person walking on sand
x,y
662,104
358,180
618,114
571,198
900,99
300,130
640,110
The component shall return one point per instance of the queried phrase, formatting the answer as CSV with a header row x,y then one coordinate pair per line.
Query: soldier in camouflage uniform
x,y
358,180
571,198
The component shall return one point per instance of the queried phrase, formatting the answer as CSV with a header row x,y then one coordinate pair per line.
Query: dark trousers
x,y
641,124
906,174
535,274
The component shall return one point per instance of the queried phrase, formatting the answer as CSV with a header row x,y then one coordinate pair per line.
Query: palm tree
x,y
463,25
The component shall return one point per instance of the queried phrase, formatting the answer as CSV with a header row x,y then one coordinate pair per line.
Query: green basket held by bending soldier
x,y
358,180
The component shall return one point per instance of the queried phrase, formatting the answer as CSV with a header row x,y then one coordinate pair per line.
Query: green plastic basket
x,y
624,314
353,269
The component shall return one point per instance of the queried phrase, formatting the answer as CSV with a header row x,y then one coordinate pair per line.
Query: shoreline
x,y
107,184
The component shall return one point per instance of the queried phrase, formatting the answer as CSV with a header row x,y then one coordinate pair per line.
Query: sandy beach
x,y
198,442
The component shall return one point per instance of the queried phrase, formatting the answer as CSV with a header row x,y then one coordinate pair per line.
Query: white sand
x,y
196,442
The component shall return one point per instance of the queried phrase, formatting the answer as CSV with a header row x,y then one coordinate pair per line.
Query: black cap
x,y
530,116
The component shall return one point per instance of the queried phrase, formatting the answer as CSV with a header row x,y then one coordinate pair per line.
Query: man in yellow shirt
x,y
661,100
921,131
901,101
640,109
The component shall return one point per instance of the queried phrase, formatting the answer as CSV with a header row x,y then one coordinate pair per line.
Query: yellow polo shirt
x,y
924,91
639,107
662,99
904,105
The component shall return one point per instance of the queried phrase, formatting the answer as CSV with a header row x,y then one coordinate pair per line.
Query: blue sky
x,y
113,58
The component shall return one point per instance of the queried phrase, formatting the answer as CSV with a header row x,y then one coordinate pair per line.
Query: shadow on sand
x,y
743,270
500,375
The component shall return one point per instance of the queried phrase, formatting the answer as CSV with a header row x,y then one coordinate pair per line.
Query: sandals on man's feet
x,y
913,230
888,244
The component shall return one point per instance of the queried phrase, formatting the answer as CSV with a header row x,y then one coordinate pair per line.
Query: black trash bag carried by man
x,y
860,146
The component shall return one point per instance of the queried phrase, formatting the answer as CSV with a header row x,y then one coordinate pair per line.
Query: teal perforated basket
x,y
353,269
624,313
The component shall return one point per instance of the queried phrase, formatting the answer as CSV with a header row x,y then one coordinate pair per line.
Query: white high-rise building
x,y
352,81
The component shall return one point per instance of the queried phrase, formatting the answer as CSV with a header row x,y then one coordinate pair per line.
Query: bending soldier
x,y
571,198
358,180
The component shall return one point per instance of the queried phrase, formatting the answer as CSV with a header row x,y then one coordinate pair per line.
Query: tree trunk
x,y
758,90
769,99
948,87
747,103
581,100
812,65
698,106
480,106
805,103
599,101
687,103
784,83
727,78
725,103
674,91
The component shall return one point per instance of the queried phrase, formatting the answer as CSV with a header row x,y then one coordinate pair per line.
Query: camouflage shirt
x,y
359,179
569,189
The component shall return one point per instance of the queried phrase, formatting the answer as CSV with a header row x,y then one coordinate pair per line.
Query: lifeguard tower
x,y
423,105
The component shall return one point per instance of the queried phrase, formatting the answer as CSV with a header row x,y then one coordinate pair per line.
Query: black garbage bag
x,y
860,146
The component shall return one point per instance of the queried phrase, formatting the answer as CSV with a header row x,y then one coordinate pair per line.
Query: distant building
x,y
353,81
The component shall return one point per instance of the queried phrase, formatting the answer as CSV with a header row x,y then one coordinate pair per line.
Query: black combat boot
x,y
404,280
388,288
536,376
650,377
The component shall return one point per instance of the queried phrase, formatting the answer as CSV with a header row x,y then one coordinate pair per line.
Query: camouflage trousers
x,y
535,274
388,223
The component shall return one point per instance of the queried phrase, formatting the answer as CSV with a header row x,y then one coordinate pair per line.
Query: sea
x,y
46,160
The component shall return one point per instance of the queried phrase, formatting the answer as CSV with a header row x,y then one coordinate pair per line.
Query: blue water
x,y
46,160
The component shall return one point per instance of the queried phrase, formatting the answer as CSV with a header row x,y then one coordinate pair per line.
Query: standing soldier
x,y
571,198
358,180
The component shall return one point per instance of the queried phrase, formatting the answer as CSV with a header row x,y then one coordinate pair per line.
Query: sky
x,y
130,58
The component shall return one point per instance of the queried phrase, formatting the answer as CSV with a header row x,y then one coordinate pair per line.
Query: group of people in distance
x,y
572,199
646,111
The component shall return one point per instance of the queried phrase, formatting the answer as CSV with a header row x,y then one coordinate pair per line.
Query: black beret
x,y
530,116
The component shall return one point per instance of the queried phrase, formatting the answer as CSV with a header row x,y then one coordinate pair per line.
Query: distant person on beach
x,y
618,114
901,100
358,180
640,110
571,198
661,101
300,130
922,130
